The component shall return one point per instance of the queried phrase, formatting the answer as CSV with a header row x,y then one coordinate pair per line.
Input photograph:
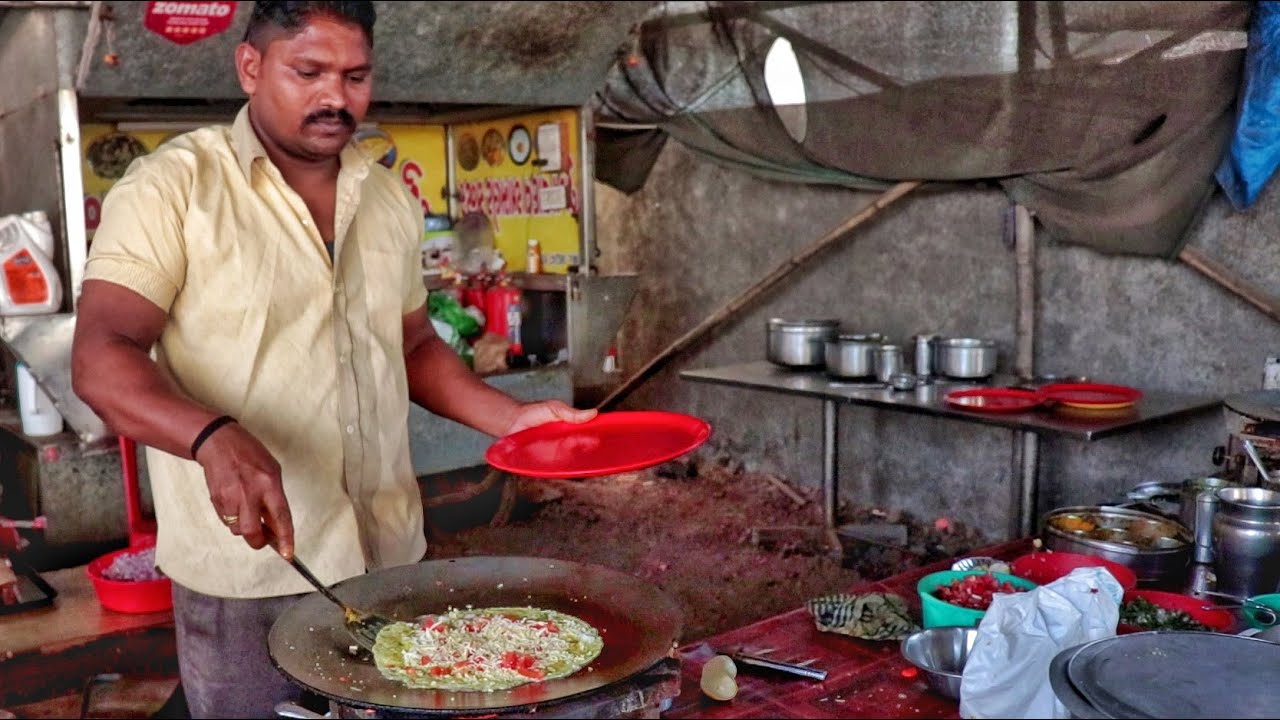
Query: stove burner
x,y
644,695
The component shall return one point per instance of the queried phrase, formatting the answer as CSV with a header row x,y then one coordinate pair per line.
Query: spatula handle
x,y
311,578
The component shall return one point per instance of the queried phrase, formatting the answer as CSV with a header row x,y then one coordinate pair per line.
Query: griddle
x,y
640,625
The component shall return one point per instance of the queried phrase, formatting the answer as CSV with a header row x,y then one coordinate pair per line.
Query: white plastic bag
x,y
1007,673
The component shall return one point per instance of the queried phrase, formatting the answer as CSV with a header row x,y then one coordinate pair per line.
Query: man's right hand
x,y
246,490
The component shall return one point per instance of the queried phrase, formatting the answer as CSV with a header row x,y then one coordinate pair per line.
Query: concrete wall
x,y
934,262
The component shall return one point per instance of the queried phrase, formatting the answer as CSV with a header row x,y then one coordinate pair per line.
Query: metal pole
x,y
1030,483
587,179
1026,451
72,185
830,482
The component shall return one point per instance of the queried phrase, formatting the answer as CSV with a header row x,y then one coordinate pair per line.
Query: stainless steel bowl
x,y
966,358
940,653
1157,549
798,343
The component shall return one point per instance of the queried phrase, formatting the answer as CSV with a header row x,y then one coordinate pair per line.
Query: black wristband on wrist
x,y
208,430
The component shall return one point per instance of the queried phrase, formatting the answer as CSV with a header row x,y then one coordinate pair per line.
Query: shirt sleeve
x,y
415,295
139,242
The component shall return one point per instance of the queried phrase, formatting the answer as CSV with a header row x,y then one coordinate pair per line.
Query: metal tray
x,y
1066,691
33,591
1182,674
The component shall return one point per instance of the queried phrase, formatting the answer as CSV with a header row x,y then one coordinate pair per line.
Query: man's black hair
x,y
293,15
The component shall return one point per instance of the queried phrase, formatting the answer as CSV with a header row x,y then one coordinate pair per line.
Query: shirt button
x,y
351,429
337,289
342,358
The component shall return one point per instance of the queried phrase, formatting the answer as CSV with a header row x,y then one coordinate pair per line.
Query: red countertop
x,y
865,679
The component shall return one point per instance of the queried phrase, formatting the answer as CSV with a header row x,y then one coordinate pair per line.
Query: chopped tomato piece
x,y
424,660
431,622
532,673
439,670
517,661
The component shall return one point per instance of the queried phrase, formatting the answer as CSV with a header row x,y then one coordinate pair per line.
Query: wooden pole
x,y
753,292
1219,273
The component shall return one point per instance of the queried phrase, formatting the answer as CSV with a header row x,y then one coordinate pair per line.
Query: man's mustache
x,y
340,115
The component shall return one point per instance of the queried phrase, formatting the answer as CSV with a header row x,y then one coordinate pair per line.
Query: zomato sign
x,y
187,22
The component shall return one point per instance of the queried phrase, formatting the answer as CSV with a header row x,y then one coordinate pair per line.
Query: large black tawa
x,y
639,623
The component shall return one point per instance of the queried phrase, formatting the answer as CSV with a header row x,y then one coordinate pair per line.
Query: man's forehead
x,y
318,33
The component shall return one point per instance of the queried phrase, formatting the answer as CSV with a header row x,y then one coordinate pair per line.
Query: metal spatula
x,y
363,626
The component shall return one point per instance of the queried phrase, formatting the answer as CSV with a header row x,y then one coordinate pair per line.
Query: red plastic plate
x,y
994,399
1092,395
610,443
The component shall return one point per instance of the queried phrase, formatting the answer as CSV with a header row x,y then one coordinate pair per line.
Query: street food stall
x,y
502,159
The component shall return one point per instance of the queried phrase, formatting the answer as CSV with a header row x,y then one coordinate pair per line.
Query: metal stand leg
x,y
1026,461
766,537
830,483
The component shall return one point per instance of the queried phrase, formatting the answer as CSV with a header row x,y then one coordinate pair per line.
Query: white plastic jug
x,y
29,283
39,416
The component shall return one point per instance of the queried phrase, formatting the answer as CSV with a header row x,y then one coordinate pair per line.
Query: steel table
x,y
929,399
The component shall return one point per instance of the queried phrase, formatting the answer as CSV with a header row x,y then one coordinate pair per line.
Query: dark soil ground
x,y
688,528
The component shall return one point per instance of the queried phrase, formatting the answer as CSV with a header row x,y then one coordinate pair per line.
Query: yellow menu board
x,y
106,154
523,173
415,153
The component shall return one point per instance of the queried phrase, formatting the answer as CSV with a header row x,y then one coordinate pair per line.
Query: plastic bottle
x,y
533,260
39,416
29,283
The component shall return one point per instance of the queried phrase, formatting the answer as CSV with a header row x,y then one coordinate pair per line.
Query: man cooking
x,y
274,271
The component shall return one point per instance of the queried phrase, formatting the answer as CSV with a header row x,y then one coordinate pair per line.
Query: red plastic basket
x,y
1216,620
129,596
1045,567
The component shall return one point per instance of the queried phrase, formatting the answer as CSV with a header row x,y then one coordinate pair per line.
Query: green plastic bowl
x,y
1271,600
939,613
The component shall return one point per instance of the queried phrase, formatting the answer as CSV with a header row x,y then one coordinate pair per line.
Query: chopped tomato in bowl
x,y
962,597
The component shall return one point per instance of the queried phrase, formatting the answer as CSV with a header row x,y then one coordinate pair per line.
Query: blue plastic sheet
x,y
1254,154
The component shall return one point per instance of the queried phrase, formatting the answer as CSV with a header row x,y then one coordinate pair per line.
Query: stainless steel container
x,y
888,362
965,358
1191,489
798,343
1156,549
1246,541
923,361
852,356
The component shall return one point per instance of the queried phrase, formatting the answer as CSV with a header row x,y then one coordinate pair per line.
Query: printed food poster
x,y
107,153
415,153
522,172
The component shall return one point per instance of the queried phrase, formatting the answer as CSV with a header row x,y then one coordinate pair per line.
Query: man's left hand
x,y
539,413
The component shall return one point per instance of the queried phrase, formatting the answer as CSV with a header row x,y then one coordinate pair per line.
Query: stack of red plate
x,y
1081,396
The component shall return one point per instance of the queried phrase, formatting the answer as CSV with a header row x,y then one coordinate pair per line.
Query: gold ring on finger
x,y
230,519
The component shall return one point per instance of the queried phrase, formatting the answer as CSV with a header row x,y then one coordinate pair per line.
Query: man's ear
x,y
248,67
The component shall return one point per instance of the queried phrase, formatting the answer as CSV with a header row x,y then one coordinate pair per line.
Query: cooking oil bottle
x,y
29,283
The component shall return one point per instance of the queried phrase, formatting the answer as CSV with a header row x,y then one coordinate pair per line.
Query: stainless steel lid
x,y
967,343
875,338
1182,674
794,325
1263,405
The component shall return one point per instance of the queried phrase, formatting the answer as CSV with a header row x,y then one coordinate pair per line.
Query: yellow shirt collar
x,y
249,148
